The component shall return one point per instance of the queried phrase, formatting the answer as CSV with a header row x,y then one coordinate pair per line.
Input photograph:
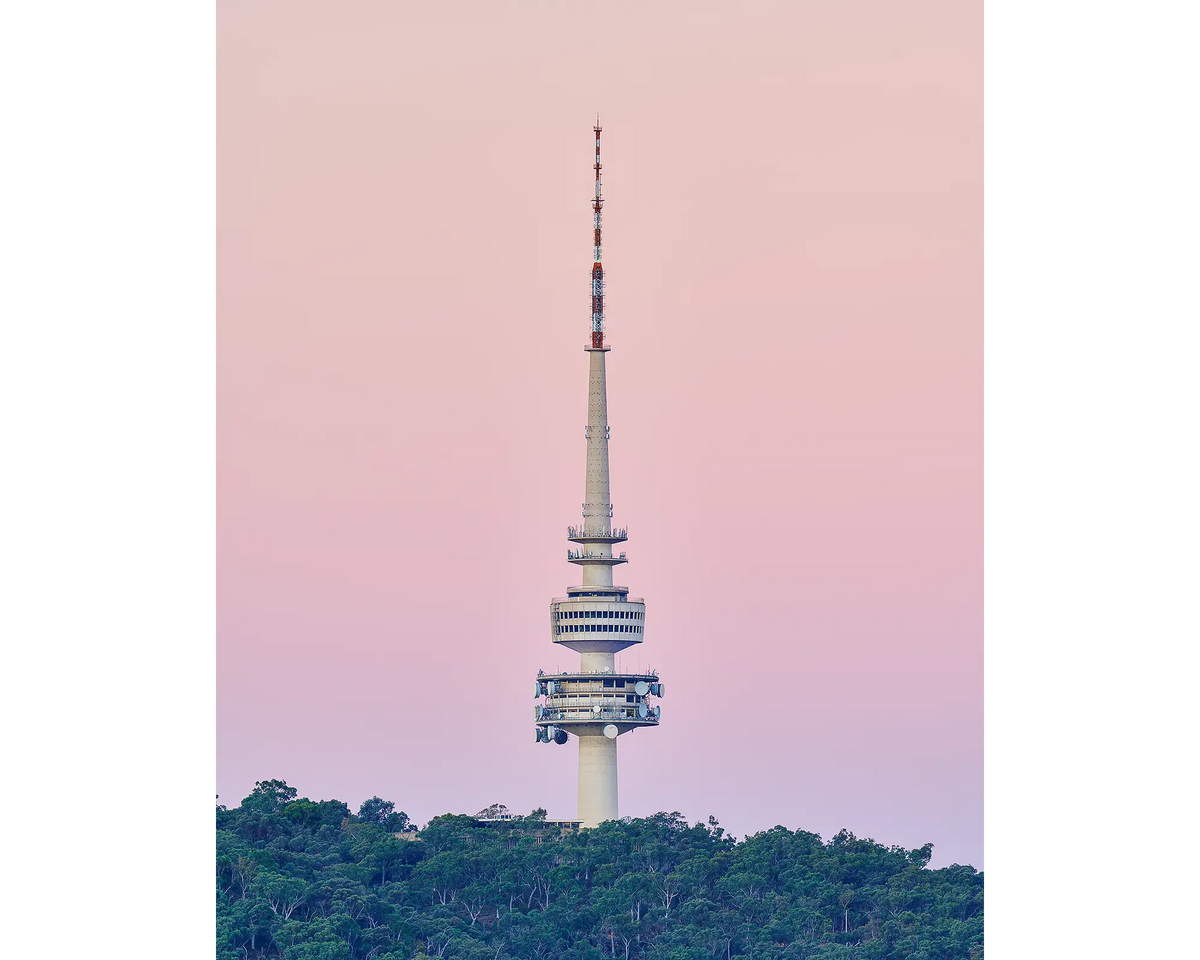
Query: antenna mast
x,y
597,254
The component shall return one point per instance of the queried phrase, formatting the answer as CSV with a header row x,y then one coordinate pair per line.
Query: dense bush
x,y
304,880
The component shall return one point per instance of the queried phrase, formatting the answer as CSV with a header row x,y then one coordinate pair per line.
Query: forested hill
x,y
304,880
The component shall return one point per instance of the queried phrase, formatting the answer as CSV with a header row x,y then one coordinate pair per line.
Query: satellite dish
x,y
661,688
657,712
611,731
596,709
560,736
654,689
552,687
537,689
641,688
537,711
643,710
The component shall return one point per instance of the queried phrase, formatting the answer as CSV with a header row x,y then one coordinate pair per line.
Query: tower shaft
x,y
597,505
597,780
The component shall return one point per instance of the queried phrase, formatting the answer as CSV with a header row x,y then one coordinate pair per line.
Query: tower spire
x,y
597,254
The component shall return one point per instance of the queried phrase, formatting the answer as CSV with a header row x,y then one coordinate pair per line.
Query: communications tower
x,y
596,704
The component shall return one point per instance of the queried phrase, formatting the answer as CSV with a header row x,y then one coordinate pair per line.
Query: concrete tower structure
x,y
596,704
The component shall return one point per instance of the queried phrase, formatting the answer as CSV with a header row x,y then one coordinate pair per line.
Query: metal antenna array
x,y
597,255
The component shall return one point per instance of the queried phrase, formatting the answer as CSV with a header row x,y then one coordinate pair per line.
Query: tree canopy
x,y
299,879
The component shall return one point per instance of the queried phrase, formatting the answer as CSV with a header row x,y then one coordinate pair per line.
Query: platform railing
x,y
620,533
582,714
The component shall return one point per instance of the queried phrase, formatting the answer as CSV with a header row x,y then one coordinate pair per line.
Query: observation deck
x,y
607,622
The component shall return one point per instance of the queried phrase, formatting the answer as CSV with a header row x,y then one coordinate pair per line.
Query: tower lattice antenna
x,y
597,255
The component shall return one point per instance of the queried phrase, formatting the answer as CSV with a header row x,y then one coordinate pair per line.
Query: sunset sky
x,y
793,251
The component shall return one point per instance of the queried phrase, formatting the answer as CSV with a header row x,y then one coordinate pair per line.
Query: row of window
x,y
601,615
596,686
598,628
590,697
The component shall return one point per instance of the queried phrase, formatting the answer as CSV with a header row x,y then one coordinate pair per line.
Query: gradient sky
x,y
793,248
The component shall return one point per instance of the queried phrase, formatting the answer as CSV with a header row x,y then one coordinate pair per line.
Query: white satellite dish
x,y
596,709
641,688
643,710
611,731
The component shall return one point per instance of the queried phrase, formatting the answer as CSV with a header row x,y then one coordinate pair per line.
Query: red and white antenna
x,y
597,255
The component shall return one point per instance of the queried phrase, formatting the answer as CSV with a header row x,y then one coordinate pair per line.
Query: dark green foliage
x,y
305,880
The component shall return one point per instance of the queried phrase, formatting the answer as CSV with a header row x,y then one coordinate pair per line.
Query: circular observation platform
x,y
608,622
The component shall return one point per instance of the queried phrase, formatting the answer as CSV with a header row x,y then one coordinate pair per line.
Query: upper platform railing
x,y
597,534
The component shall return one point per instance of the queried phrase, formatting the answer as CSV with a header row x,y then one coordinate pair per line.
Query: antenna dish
x,y
611,731
641,688
643,710
560,736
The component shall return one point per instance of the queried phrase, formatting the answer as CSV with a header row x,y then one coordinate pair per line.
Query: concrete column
x,y
596,491
597,779
591,662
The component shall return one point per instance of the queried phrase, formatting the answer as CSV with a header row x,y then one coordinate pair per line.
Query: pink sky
x,y
793,248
